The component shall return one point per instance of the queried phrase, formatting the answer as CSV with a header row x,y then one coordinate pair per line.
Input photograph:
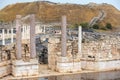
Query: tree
x,y
108,26
95,26
84,25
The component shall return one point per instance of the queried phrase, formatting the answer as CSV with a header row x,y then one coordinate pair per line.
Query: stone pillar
x,y
28,32
18,37
44,29
80,41
12,36
3,36
63,42
32,37
23,32
7,33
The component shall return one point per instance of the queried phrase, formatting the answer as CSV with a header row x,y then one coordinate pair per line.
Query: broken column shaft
x,y
80,40
3,36
32,37
18,37
12,35
63,40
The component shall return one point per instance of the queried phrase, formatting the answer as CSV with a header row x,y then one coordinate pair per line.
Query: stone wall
x,y
70,63
96,55
107,47
53,51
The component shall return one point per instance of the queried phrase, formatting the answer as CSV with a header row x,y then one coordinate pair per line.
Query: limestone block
x,y
67,64
5,68
54,40
35,67
68,67
33,72
22,68
102,65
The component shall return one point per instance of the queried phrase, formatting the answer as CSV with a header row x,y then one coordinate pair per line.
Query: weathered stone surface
x,y
5,68
65,64
54,40
21,68
101,65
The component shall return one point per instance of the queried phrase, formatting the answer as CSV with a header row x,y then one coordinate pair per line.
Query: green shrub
x,y
95,26
108,26
84,25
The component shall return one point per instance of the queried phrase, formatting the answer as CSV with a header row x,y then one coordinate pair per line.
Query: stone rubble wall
x,y
62,64
105,49
102,48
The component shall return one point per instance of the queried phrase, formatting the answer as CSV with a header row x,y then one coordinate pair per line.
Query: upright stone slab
x,y
80,41
53,50
12,36
3,36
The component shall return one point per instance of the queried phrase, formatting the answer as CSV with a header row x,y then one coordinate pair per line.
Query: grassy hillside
x,y
52,12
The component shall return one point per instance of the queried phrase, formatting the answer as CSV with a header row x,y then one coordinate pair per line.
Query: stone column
x,y
3,36
63,42
44,29
32,37
7,33
18,38
80,41
26,32
23,32
12,36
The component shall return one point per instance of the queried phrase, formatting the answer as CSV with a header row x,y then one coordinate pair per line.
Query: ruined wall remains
x,y
63,64
106,47
96,55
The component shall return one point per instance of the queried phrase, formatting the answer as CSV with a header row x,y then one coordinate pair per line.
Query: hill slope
x,y
52,12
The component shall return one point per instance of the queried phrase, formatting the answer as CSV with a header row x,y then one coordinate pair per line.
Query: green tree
x,y
95,26
108,26
84,25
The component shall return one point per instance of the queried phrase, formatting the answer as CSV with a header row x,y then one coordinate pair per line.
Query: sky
x,y
116,3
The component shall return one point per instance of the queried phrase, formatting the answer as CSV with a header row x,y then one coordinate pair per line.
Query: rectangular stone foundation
x,y
5,68
68,64
101,65
21,68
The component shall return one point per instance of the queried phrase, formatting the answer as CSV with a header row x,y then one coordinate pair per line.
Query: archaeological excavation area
x,y
39,51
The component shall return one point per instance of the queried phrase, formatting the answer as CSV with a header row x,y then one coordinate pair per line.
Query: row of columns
x,y
32,37
64,40
19,37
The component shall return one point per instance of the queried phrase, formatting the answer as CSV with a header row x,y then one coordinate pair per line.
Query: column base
x,y
68,64
21,68
5,68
